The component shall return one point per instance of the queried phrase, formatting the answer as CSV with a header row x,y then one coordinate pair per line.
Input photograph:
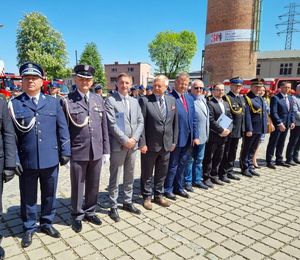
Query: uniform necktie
x,y
184,103
34,101
86,99
287,103
162,107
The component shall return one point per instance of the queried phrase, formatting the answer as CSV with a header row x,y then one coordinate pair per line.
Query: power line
x,y
289,24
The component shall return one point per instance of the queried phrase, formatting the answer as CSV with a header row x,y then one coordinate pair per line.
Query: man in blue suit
x,y
43,142
283,118
188,135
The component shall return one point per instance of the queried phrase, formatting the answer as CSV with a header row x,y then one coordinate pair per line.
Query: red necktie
x,y
184,103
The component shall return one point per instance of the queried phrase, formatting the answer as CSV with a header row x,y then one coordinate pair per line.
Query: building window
x,y
130,69
132,80
258,69
286,68
114,69
298,70
113,79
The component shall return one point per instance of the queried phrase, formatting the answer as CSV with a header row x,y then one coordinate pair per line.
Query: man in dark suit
x,y
237,109
43,141
255,125
7,153
282,116
125,124
217,137
187,136
158,139
86,116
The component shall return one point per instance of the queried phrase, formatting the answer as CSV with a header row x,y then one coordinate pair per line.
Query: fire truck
x,y
271,84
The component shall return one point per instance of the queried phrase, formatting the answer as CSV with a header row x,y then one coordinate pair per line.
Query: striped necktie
x,y
162,107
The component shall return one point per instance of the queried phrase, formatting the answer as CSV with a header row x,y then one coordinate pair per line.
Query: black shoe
x,y
254,173
290,162
93,219
296,161
114,215
50,231
256,166
2,253
27,239
282,164
271,166
131,208
170,195
183,194
217,181
233,177
225,179
247,173
189,188
200,185
77,225
208,183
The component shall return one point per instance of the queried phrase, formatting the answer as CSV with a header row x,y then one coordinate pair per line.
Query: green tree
x,y
91,56
173,52
38,42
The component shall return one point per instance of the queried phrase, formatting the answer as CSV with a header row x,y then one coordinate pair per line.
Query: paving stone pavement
x,y
255,218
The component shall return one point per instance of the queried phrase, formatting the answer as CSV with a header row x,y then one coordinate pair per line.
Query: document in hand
x,y
224,121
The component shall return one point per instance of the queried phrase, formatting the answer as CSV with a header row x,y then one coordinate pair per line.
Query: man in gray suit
x,y
194,173
159,138
125,124
86,115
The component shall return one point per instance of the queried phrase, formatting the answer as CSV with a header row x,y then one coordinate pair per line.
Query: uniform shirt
x,y
221,104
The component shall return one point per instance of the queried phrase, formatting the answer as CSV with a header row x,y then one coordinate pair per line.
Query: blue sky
x,y
122,29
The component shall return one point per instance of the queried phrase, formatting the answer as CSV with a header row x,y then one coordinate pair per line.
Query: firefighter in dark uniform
x,y
89,144
255,126
43,141
7,152
237,108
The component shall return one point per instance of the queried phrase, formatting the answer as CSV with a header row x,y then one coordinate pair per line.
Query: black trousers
x,y
229,156
276,141
159,161
249,147
292,150
212,159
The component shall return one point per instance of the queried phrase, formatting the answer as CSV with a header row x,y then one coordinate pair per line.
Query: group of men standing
x,y
182,140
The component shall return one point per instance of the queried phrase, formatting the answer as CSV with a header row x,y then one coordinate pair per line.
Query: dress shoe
x,y
201,185
147,204
183,194
256,166
76,225
2,253
114,215
283,164
131,208
290,162
296,161
170,195
217,181
254,173
189,188
208,183
162,201
233,177
225,179
271,166
50,231
27,239
247,173
93,219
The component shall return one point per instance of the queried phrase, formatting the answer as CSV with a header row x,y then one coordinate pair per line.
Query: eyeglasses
x,y
196,88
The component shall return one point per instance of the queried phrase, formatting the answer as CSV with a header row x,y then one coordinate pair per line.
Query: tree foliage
x,y
91,56
173,52
38,42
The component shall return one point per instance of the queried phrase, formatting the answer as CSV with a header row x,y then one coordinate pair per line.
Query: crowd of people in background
x,y
187,135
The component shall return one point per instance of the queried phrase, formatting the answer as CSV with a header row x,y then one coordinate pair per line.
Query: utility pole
x,y
289,24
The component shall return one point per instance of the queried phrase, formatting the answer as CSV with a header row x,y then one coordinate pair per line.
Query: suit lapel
x,y
28,102
80,100
156,107
42,101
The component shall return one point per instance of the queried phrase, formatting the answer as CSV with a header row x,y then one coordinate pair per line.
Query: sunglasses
x,y
196,88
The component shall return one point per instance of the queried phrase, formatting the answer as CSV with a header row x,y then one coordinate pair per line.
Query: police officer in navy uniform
x,y
7,152
43,142
237,109
255,126
89,144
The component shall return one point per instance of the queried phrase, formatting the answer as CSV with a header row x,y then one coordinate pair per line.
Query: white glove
x,y
105,158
